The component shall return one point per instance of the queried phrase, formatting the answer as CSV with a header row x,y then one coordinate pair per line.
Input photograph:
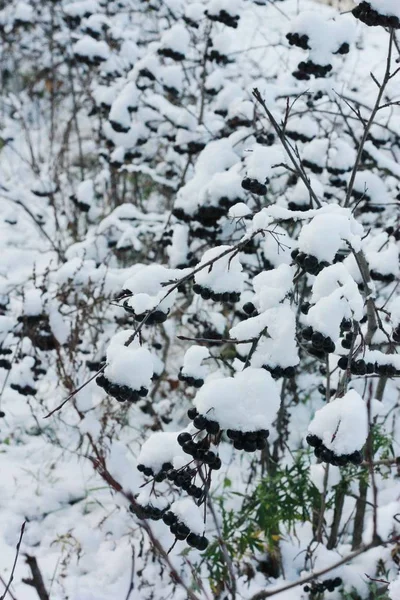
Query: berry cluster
x,y
391,230
363,367
194,381
308,262
372,18
148,512
209,215
182,478
345,325
297,136
88,60
182,532
313,166
387,278
254,186
328,456
205,330
250,310
119,128
319,587
322,390
237,121
347,340
218,57
158,477
201,422
37,370
337,182
203,233
37,329
344,49
207,293
301,41
224,17
278,372
192,147
122,393
199,450
24,390
250,441
170,53
95,365
83,206
305,307
154,317
265,139
190,22
306,69
318,340
311,68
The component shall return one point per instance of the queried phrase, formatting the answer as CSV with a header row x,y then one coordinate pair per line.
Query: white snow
x,y
232,7
278,346
303,125
159,448
386,261
176,38
259,162
192,360
316,152
325,36
328,231
300,194
217,156
149,289
239,210
128,365
248,401
342,425
394,589
271,287
80,8
341,155
190,514
91,48
85,192
33,303
335,296
371,187
224,274
384,7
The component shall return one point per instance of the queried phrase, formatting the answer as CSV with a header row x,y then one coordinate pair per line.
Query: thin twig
x,y
371,119
9,591
21,535
73,393
297,165
215,341
37,580
132,579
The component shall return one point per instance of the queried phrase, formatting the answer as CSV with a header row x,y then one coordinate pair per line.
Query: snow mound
x,y
249,401
342,425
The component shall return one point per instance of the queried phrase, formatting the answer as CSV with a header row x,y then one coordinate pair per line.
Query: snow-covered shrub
x,y
199,225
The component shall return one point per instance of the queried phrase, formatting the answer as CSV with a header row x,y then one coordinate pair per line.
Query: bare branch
x,y
21,535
